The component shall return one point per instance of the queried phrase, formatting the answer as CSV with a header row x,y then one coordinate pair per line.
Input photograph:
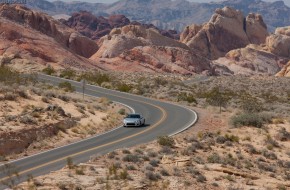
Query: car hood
x,y
131,120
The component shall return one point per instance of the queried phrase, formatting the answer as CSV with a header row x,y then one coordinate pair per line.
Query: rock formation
x,y
279,42
96,27
35,40
128,37
227,30
268,58
50,27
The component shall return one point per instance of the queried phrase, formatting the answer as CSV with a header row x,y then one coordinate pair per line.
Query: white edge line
x,y
189,125
130,108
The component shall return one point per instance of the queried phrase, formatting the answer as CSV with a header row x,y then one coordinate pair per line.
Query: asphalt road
x,y
162,118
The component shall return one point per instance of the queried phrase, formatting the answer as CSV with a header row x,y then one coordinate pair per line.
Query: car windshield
x,y
133,116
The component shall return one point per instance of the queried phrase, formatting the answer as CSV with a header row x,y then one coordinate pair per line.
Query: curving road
x,y
162,118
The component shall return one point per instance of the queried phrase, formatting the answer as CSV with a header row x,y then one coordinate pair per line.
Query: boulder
x,y
279,43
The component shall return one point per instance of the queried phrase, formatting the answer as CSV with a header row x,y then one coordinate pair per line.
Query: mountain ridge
x,y
167,14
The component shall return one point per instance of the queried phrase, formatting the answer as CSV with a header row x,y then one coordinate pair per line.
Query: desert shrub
x,y
160,81
166,150
152,154
232,138
270,142
124,87
10,96
68,73
164,172
176,171
96,77
122,111
250,119
139,151
49,70
112,155
80,171
166,141
229,160
214,158
217,98
283,135
23,94
269,155
36,91
69,162
45,99
27,120
8,75
131,167
154,163
131,158
152,176
251,149
200,178
220,139
124,174
64,98
145,158
9,118
50,94
149,167
266,167
188,97
126,151
67,86
251,105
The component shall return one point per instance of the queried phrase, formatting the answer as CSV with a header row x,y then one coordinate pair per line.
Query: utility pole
x,y
83,82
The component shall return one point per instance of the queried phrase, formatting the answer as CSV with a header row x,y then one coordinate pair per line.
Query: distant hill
x,y
168,14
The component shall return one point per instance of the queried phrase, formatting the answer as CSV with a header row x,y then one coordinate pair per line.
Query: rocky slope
x,y
168,14
96,27
270,57
33,39
228,29
133,47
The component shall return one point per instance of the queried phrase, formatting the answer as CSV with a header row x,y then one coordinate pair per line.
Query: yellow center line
x,y
164,116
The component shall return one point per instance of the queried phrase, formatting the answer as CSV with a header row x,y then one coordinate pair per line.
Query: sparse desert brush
x,y
123,87
188,97
278,120
96,77
283,135
7,75
166,141
131,158
22,93
152,176
160,81
249,119
80,170
67,86
49,70
68,73
64,98
50,94
10,96
122,111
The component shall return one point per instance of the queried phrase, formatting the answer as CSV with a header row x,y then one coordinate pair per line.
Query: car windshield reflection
x,y
133,116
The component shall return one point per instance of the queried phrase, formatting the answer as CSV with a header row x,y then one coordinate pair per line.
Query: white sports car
x,y
134,120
